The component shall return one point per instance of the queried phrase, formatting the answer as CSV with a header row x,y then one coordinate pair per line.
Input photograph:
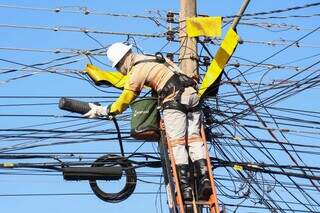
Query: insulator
x,y
170,17
170,35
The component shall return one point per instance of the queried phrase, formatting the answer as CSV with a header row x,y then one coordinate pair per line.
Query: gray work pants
x,y
180,126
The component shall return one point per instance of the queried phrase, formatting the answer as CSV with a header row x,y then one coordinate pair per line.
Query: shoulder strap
x,y
159,59
145,60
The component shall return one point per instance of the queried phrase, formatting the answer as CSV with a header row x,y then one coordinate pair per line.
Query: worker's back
x,y
147,71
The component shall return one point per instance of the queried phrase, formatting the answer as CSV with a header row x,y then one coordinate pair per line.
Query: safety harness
x,y
177,83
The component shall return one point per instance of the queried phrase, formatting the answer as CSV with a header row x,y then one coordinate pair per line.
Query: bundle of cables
x,y
106,160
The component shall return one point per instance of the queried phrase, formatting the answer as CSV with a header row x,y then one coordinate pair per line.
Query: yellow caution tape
x,y
99,76
222,57
204,26
238,167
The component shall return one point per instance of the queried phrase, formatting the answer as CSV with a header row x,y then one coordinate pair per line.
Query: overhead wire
x,y
235,152
80,30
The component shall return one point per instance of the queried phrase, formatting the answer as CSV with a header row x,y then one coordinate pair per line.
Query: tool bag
x,y
145,120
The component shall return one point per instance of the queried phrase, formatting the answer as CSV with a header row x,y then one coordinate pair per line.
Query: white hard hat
x,y
117,51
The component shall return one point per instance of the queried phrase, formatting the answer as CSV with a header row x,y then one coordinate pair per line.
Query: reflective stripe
x,y
194,138
182,141
177,141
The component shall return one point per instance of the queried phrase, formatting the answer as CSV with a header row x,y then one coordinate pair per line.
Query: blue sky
x,y
33,46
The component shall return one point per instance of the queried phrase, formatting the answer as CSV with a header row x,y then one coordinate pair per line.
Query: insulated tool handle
x,y
72,105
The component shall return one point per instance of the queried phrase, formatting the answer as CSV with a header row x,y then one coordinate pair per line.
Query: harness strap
x,y
180,107
158,58
146,60
175,105
178,82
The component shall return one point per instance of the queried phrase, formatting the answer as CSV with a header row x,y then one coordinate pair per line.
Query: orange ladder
x,y
212,203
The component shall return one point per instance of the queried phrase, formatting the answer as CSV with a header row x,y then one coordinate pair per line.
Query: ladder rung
x,y
199,202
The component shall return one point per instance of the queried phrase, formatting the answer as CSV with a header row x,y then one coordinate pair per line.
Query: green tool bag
x,y
145,120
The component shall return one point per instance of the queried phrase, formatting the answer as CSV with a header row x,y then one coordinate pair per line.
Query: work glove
x,y
97,111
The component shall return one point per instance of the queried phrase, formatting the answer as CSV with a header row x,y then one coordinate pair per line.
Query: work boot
x,y
184,176
204,188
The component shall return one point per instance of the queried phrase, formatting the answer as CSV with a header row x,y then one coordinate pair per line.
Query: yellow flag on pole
x,y
204,26
221,58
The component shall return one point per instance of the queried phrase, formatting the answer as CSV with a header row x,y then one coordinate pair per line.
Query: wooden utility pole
x,y
188,46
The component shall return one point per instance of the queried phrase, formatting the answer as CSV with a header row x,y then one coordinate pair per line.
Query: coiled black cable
x,y
106,160
131,179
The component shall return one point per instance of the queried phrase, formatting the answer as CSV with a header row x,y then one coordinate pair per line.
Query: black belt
x,y
172,85
181,107
177,83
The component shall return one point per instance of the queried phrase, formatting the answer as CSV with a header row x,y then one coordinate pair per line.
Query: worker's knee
x,y
180,154
197,151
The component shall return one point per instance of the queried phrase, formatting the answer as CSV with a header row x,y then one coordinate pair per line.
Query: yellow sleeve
x,y
122,103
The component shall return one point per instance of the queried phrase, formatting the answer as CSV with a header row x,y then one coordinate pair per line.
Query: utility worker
x,y
179,102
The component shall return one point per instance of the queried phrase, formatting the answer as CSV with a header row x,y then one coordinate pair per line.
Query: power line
x,y
316,4
78,10
56,51
80,30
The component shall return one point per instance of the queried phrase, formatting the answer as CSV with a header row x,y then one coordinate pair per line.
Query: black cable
x,y
119,136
